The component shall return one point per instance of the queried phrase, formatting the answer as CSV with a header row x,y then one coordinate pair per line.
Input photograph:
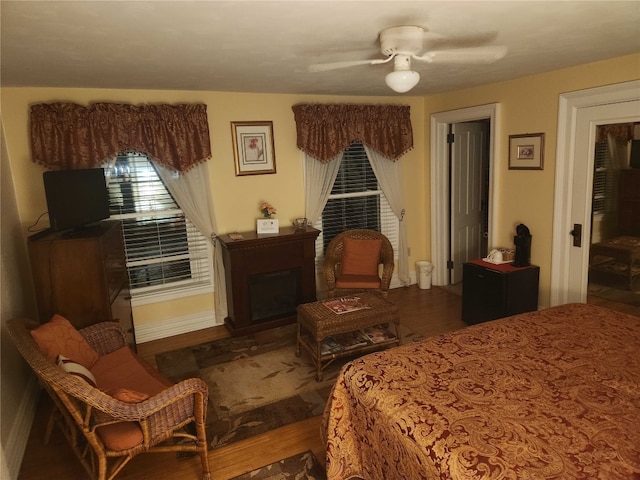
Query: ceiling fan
x,y
403,43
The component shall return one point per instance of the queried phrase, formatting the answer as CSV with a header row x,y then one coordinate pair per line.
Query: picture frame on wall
x,y
253,148
526,151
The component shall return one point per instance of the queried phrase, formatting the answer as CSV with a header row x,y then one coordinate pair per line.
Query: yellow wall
x,y
530,105
18,389
235,198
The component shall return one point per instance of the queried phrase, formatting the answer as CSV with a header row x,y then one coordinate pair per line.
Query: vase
x,y
267,225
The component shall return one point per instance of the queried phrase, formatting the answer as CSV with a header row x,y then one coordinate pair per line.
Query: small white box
x,y
268,225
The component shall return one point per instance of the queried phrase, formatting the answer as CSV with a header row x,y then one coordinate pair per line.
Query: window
x,y
166,255
605,182
356,201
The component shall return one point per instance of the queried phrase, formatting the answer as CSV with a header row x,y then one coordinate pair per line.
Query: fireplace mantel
x,y
256,265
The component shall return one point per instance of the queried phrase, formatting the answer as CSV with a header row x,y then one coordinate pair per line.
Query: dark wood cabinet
x,y
82,276
629,202
494,291
267,277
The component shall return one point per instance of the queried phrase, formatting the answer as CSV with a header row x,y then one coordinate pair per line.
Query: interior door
x,y
468,194
581,198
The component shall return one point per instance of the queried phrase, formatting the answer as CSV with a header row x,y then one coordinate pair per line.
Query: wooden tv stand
x,y
82,276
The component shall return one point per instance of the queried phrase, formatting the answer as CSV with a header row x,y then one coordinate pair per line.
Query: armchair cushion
x,y
121,436
358,281
121,375
361,256
77,370
122,370
59,337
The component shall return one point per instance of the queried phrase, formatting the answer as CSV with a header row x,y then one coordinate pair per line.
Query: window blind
x,y
164,250
356,201
605,181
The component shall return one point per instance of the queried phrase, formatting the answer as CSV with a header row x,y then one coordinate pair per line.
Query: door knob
x,y
576,233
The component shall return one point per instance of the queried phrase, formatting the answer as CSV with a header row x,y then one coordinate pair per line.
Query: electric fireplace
x,y
267,277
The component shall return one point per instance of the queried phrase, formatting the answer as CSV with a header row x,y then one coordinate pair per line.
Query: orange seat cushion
x,y
59,337
361,256
124,376
120,436
358,281
122,369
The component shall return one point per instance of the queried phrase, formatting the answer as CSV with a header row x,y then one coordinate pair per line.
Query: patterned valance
x,y
326,130
622,131
71,136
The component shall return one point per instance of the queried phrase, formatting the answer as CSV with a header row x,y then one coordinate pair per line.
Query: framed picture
x,y
526,151
253,148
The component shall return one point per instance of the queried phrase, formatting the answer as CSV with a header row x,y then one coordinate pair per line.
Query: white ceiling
x,y
267,46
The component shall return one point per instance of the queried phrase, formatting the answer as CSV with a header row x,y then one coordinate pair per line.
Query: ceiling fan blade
x,y
437,41
488,54
323,67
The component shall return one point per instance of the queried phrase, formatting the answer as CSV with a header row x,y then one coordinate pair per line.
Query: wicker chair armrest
x,y
332,261
104,337
387,273
177,398
329,275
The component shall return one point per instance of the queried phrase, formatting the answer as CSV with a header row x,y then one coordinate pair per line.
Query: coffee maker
x,y
522,241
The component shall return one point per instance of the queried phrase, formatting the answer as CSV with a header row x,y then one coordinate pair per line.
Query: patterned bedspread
x,y
553,394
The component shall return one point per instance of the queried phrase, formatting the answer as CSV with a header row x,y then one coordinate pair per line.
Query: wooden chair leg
x,y
50,422
318,359
206,474
299,333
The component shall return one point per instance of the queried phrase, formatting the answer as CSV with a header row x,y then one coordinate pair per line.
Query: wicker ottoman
x,y
316,322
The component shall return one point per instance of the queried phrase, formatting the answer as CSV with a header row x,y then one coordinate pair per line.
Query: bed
x,y
552,394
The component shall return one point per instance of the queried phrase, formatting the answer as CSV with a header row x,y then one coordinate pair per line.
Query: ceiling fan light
x,y
402,81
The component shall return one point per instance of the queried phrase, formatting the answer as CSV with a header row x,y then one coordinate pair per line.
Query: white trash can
x,y
423,273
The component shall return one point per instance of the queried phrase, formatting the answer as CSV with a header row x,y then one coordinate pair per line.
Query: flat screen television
x,y
76,198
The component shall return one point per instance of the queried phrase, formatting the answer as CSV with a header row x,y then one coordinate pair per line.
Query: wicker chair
x,y
333,263
79,409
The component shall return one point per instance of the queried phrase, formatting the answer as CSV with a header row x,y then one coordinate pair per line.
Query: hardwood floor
x,y
426,311
621,307
429,312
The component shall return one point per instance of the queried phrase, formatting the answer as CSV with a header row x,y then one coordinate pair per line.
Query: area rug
x,y
298,467
256,382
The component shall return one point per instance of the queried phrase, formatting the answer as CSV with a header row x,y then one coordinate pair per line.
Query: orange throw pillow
x,y
59,337
128,396
361,256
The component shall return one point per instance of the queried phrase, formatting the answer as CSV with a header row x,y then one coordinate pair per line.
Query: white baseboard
x,y
190,323
175,326
396,283
16,445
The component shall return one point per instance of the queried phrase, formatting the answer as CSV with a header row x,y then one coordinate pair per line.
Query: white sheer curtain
x,y
617,152
192,192
389,176
318,182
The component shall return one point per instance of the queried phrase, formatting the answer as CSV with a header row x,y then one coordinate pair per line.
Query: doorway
x,y
579,114
469,201
614,255
441,188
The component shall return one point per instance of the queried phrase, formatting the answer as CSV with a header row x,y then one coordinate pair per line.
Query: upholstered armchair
x,y
352,263
107,427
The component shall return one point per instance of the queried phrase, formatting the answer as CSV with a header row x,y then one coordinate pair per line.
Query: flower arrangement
x,y
254,144
267,209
